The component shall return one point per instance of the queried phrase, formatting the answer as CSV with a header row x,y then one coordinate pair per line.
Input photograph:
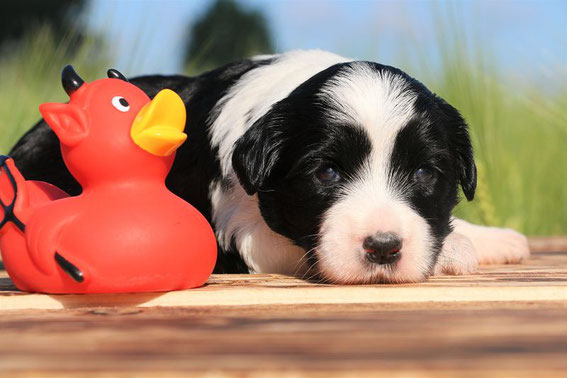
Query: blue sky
x,y
527,37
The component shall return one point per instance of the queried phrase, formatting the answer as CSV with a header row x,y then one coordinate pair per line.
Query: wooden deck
x,y
503,321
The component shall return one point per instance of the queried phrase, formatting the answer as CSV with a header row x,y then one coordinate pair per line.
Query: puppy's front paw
x,y
501,246
494,245
457,257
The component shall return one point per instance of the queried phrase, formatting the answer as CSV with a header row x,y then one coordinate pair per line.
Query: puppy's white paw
x,y
457,257
501,246
495,245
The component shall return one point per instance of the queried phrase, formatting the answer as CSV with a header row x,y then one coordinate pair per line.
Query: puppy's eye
x,y
328,175
120,103
424,175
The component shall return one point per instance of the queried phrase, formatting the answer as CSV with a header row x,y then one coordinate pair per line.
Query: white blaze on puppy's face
x,y
381,104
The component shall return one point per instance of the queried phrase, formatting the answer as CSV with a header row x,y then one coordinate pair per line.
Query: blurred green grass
x,y
519,133
30,74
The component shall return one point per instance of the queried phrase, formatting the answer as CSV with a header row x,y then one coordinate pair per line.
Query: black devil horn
x,y
115,74
70,79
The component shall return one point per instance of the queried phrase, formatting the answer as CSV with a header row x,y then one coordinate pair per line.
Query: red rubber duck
x,y
126,232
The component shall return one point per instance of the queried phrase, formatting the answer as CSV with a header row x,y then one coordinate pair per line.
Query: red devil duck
x,y
126,232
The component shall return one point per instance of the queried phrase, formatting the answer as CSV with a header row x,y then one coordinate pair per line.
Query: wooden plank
x,y
542,278
548,243
497,339
503,321
230,295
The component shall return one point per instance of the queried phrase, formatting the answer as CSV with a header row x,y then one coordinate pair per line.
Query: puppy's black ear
x,y
257,152
462,147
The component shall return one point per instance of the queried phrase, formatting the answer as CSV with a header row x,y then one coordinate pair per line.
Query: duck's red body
x,y
126,232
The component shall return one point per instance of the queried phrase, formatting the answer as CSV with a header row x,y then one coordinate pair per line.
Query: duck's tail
x,y
18,199
11,185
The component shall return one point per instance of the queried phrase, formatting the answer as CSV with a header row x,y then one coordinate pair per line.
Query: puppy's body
x,y
309,163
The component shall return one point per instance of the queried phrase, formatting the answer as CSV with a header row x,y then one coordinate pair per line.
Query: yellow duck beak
x,y
158,127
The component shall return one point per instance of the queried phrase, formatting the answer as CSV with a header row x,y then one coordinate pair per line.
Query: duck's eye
x,y
120,103
424,175
328,174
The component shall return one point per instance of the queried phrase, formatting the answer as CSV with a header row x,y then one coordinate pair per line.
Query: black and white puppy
x,y
310,164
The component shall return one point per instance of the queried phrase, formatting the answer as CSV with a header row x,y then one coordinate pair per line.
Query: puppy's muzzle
x,y
383,248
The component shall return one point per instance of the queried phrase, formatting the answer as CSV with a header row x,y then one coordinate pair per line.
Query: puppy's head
x,y
360,166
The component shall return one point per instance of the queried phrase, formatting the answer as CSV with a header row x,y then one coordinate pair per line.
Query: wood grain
x,y
542,278
523,337
503,321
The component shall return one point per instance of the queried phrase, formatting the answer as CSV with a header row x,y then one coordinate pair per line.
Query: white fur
x,y
360,214
457,256
494,245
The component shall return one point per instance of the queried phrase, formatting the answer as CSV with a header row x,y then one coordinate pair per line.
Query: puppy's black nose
x,y
383,248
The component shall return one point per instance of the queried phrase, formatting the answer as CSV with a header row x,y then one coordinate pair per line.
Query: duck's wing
x,y
69,268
